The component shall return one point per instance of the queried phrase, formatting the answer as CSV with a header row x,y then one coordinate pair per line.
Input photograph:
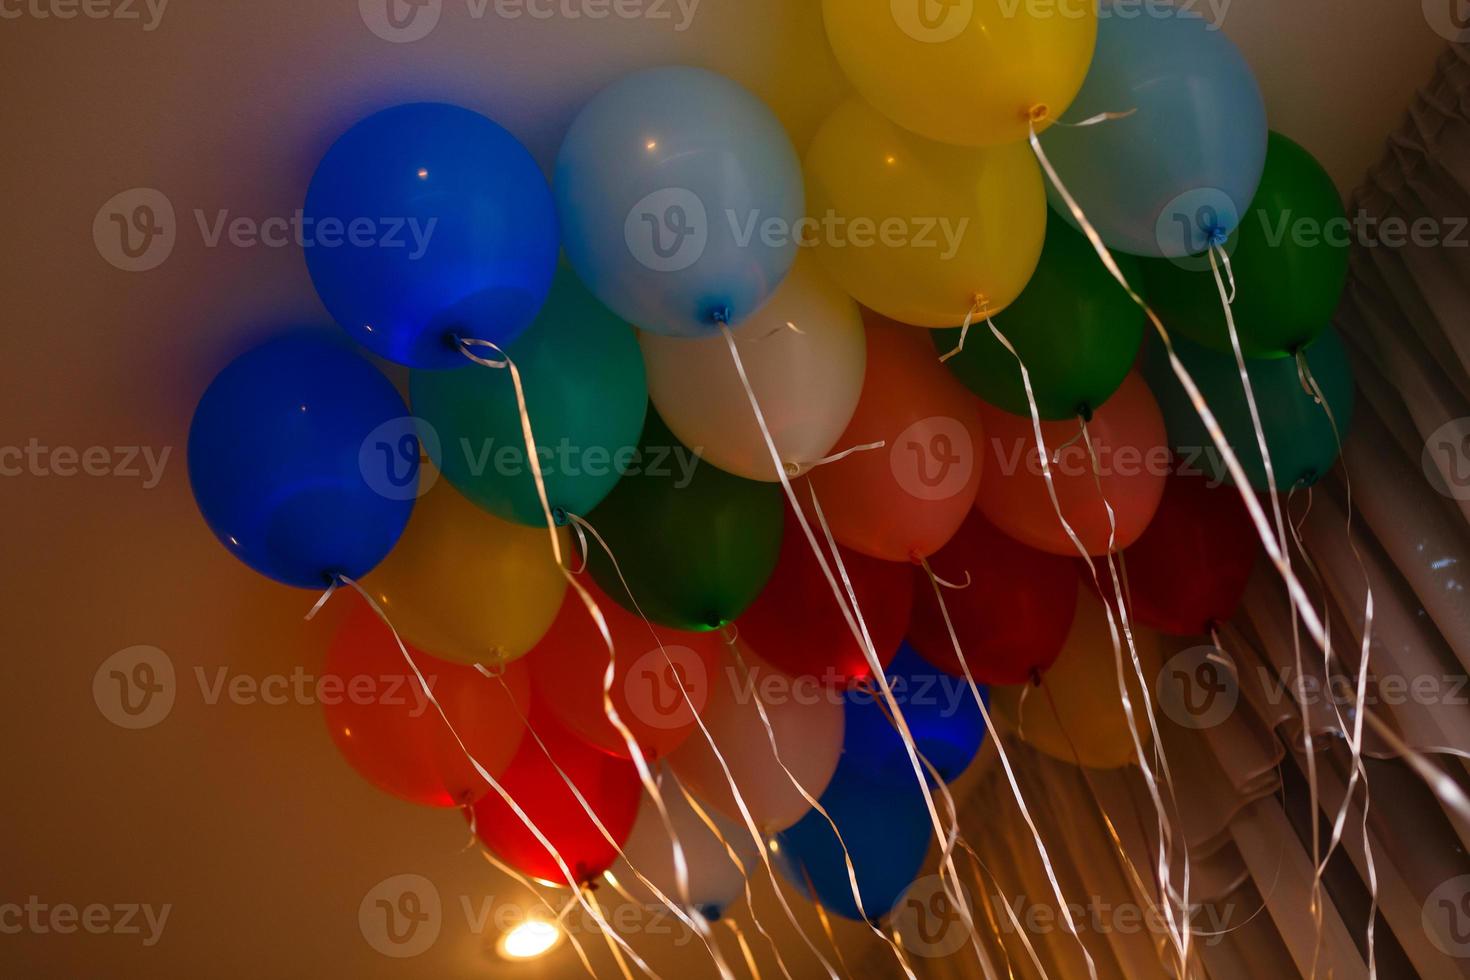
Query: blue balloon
x,y
303,460
681,196
886,829
427,221
1178,174
942,715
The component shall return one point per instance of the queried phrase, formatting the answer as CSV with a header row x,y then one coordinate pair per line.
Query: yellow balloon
x,y
464,585
1083,683
917,230
970,72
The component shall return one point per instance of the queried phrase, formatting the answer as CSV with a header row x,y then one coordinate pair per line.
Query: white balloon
x,y
807,720
715,882
804,354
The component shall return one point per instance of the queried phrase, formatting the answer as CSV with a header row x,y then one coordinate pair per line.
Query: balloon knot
x,y
1035,677
1084,412
1038,112
1218,237
560,516
720,315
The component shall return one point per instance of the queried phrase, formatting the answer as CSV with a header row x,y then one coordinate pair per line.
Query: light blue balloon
x,y
680,195
1177,175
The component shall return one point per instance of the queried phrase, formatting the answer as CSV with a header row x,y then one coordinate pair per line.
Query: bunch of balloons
x,y
784,385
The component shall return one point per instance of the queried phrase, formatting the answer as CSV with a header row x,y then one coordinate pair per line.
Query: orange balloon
x,y
908,498
1133,460
1089,719
568,665
386,728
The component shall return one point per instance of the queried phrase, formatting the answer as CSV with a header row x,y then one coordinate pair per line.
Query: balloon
x,y
1178,173
1074,327
568,665
795,624
804,354
609,785
444,228
807,721
1013,617
1089,717
1298,433
886,830
1289,258
467,585
1189,569
695,543
283,461
909,497
974,74
942,717
585,396
384,725
679,194
715,882
917,230
1133,460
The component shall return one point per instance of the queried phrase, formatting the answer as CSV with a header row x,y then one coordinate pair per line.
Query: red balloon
x,y
909,497
568,664
1190,568
610,786
387,729
796,625
1011,621
1131,443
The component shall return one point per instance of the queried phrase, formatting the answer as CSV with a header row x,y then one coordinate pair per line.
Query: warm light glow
x,y
529,940
652,144
423,173
890,159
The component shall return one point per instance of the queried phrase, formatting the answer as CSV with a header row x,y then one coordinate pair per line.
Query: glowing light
x,y
651,145
529,939
890,159
423,173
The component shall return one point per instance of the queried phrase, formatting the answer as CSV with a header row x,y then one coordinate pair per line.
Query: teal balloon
x,y
586,396
1298,432
695,544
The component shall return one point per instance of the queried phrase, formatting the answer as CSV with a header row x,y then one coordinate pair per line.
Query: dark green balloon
x,y
695,543
1289,256
586,396
1298,432
1073,325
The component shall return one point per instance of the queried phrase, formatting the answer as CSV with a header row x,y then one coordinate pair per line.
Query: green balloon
x,y
1073,325
695,543
1290,260
1298,432
586,396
